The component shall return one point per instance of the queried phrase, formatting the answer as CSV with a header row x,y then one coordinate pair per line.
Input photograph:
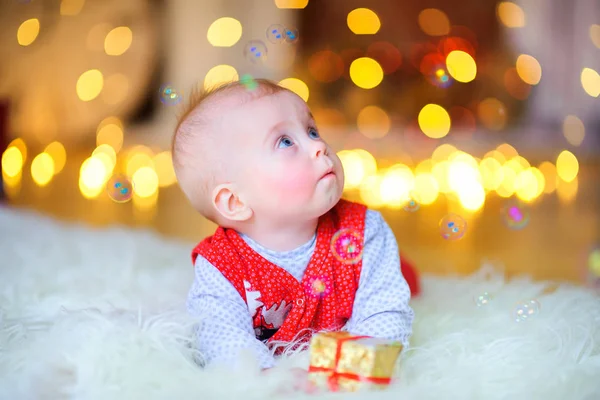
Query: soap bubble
x,y
515,215
291,35
440,78
412,204
483,299
169,95
255,51
453,227
347,246
526,310
276,33
119,188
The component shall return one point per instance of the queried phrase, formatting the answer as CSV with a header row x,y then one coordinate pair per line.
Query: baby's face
x,y
287,172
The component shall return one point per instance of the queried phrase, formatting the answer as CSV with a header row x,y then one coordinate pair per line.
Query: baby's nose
x,y
320,149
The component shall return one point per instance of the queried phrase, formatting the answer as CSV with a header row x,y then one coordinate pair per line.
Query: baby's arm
x,y
225,328
381,302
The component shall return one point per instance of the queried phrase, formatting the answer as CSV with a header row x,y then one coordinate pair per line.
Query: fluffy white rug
x,y
98,314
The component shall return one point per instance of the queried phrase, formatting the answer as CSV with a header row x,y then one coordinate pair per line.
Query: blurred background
x,y
479,112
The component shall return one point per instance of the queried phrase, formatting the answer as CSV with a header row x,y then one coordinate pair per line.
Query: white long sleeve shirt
x,y
381,305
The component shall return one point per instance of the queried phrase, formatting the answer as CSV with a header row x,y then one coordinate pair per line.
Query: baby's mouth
x,y
329,173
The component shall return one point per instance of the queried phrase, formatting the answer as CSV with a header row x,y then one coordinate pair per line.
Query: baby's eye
x,y
312,132
285,142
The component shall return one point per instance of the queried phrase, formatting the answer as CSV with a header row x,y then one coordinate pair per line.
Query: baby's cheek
x,y
293,186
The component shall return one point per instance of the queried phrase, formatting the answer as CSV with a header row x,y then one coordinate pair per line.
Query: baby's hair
x,y
197,167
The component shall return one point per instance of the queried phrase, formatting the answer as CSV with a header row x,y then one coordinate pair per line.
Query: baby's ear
x,y
229,204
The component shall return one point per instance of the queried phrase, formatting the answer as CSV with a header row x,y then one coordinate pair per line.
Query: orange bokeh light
x,y
326,66
387,55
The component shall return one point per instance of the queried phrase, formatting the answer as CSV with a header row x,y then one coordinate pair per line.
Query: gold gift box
x,y
340,361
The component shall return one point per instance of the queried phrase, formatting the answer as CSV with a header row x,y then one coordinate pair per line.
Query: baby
x,y
249,157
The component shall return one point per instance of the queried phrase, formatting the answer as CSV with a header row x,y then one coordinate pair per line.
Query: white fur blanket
x,y
98,314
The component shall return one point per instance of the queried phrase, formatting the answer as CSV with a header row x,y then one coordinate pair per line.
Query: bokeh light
x,y
220,74
57,151
71,7
145,182
595,35
326,66
297,86
292,4
12,162
567,166
573,130
373,122
363,21
224,32
529,69
42,169
510,14
28,31
461,66
89,85
492,113
590,81
110,132
434,121
163,163
366,73
434,22
118,41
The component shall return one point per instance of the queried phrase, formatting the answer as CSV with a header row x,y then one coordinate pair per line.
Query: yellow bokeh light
x,y
492,113
163,162
434,22
89,85
426,188
440,172
461,66
297,86
145,182
118,41
368,161
353,168
396,185
529,69
19,143
110,134
590,80
461,173
424,167
220,74
71,7
136,161
12,162
595,35
370,193
109,151
59,155
42,169
573,130
224,32
497,155
363,21
541,181
527,185
510,14
92,177
28,31
434,121
443,152
567,191
548,170
507,187
507,151
567,166
366,73
294,4
471,195
492,173
373,122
